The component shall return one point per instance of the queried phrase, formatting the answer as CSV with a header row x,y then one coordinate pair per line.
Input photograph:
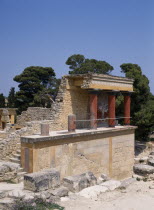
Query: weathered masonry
x,y
109,151
11,114
105,147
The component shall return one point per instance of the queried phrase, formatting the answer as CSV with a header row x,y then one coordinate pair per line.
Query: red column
x,y
93,110
127,102
111,109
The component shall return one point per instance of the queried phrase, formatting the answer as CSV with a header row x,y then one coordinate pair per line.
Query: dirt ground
x,y
138,196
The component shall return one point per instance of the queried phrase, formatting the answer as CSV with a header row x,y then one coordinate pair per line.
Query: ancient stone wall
x,y
10,143
34,114
68,101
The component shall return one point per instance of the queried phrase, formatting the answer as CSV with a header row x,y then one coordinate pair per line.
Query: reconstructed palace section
x,y
105,150
89,97
87,102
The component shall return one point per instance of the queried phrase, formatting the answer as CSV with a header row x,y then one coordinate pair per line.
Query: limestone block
x,y
143,169
6,167
78,182
111,184
125,183
43,180
60,192
93,191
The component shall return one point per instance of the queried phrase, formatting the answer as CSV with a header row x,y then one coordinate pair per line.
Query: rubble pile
x,y
46,185
144,167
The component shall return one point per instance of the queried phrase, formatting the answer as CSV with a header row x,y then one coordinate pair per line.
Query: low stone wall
x,y
10,143
34,114
109,151
10,140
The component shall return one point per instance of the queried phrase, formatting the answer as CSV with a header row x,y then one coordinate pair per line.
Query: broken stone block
x,y
143,169
125,183
43,180
93,191
78,182
152,153
8,167
8,171
60,192
151,161
111,184
91,178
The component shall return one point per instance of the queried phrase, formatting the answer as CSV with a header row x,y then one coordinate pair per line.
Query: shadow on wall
x,y
80,107
139,147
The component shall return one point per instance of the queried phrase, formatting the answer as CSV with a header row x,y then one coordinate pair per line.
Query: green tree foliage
x,y
11,98
2,101
32,81
142,101
80,65
46,96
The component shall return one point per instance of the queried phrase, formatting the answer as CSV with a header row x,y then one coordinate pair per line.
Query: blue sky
x,y
47,32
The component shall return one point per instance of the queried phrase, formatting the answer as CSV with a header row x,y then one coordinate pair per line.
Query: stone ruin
x,y
71,145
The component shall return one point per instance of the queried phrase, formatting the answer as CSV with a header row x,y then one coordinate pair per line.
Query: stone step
x,y
18,156
14,160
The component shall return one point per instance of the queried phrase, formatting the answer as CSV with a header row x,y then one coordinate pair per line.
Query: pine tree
x,y
11,98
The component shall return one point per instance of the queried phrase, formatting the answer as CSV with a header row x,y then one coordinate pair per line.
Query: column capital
x,y
113,92
93,91
127,93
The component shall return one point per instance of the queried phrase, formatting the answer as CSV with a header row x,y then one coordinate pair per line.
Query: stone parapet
x,y
105,150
